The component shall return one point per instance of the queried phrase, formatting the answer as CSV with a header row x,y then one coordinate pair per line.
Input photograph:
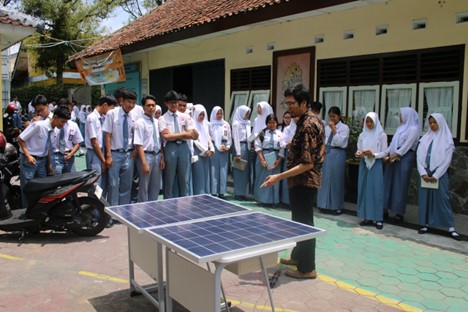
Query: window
x,y
362,100
427,80
332,97
395,97
439,97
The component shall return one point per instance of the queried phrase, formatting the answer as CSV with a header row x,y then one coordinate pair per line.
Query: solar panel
x,y
213,240
175,210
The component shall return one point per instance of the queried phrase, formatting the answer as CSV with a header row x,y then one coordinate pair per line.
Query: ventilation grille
x,y
437,64
255,78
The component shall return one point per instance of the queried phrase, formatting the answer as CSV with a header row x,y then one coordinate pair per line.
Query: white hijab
x,y
216,127
158,108
203,127
239,119
442,143
370,137
289,131
239,115
259,123
410,120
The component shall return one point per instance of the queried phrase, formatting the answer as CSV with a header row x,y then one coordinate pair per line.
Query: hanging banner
x,y
102,69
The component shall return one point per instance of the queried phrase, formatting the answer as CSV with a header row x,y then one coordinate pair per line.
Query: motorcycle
x,y
69,202
11,170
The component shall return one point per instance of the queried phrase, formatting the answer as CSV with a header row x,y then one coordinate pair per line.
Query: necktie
x,y
155,137
62,140
101,120
48,146
176,123
330,139
125,132
428,159
272,139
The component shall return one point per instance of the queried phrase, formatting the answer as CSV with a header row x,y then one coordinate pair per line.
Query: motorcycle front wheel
x,y
92,216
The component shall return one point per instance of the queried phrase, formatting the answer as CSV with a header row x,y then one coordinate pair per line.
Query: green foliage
x,y
355,128
68,25
27,93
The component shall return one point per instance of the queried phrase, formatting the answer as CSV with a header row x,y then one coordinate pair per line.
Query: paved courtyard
x,y
360,269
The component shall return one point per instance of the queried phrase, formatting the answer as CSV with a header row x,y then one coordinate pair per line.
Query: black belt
x,y
121,150
153,152
36,157
337,147
243,142
177,142
62,153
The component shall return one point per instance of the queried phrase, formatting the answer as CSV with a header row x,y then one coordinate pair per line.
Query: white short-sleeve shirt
x,y
113,125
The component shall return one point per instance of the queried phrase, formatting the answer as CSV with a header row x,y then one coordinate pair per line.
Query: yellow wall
x,y
397,14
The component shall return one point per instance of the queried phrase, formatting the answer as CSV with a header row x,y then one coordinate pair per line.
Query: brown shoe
x,y
296,274
288,261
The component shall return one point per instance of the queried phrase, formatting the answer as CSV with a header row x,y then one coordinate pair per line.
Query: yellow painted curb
x,y
104,277
8,257
257,307
369,294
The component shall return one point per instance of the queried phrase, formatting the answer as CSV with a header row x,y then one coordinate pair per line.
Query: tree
x,y
68,24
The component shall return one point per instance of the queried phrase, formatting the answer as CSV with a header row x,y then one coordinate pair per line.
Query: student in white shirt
x,y
35,145
65,143
268,145
119,129
150,154
176,128
220,132
203,150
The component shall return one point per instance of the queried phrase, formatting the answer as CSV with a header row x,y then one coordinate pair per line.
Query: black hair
x,y
147,97
63,101
182,97
128,94
261,135
109,99
171,96
335,110
62,112
299,92
39,100
316,106
118,92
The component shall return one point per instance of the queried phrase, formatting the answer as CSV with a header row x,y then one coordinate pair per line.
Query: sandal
x,y
455,235
423,230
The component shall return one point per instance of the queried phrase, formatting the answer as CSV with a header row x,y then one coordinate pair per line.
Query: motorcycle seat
x,y
47,183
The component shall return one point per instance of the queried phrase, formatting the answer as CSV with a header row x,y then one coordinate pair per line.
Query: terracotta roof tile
x,y
7,19
173,16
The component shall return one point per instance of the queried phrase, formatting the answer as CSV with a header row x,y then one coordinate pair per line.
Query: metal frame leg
x,y
267,283
222,290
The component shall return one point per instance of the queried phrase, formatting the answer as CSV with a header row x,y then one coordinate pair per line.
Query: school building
x,y
365,55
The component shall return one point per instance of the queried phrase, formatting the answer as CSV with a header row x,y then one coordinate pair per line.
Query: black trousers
x,y
301,199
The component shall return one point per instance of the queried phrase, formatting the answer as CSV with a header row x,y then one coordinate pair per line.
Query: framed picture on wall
x,y
291,67
255,97
238,98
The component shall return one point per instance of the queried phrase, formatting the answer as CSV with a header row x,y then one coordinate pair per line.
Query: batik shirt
x,y
307,147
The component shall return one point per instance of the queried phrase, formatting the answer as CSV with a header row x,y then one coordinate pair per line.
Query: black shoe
x,y
366,223
397,218
423,230
221,196
385,215
337,212
379,225
455,235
